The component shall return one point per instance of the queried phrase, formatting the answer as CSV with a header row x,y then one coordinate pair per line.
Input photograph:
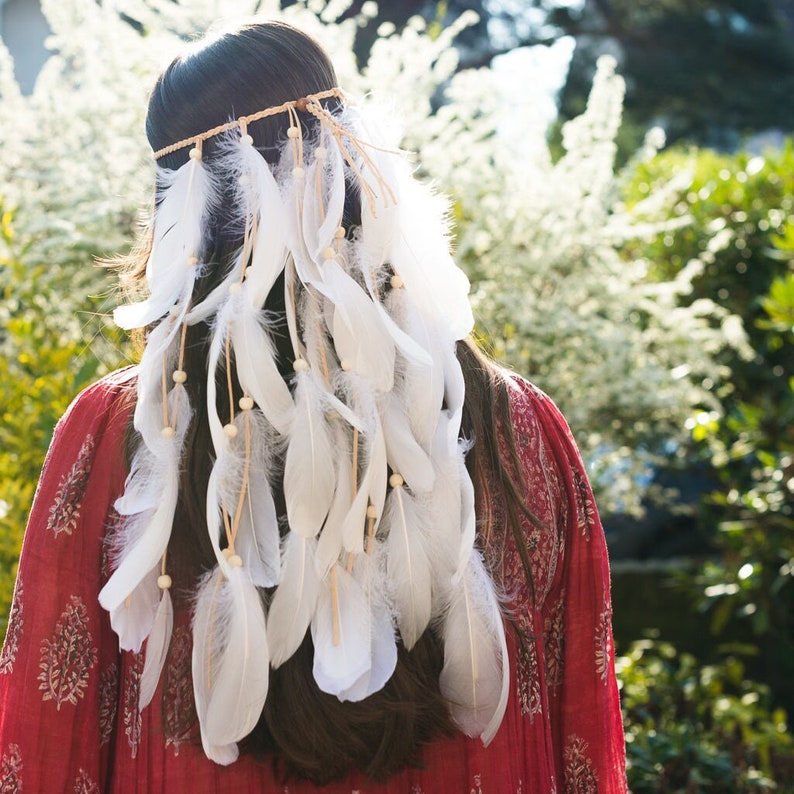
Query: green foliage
x,y
46,359
700,729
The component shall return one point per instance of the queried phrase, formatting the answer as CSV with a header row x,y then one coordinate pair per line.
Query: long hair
x,y
321,739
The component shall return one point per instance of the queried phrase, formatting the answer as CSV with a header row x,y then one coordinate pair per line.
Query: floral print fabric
x,y
69,718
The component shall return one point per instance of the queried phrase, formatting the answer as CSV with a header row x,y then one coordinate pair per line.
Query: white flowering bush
x,y
540,239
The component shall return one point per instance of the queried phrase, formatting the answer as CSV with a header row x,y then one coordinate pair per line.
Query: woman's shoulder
x,y
99,409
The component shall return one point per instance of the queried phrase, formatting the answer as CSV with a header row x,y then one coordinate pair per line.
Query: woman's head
x,y
233,74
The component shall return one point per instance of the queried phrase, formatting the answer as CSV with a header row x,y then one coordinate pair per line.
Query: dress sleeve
x,y
576,619
59,665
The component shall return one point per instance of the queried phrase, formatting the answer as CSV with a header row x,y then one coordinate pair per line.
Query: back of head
x,y
236,73
298,425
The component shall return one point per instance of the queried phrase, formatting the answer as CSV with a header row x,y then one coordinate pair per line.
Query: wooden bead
x,y
179,376
246,403
292,132
300,365
321,153
396,282
164,581
339,233
246,140
168,432
195,153
346,365
230,430
396,480
371,511
235,561
328,253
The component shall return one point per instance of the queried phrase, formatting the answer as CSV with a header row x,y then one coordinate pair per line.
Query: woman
x,y
315,538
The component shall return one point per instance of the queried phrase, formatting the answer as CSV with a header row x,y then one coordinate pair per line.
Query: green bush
x,y
700,729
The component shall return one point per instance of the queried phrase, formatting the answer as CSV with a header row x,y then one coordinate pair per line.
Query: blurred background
x,y
622,182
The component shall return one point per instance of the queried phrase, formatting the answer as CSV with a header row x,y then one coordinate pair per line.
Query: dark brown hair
x,y
303,731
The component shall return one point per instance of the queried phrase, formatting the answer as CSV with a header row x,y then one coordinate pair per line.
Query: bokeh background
x,y
622,182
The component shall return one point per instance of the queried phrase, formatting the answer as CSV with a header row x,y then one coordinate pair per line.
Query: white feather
x,y
257,370
329,545
295,599
187,195
309,463
338,665
142,551
360,337
230,662
403,451
383,648
408,564
257,541
420,254
475,677
133,618
156,649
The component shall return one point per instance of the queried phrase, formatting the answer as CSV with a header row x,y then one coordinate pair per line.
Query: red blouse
x,y
69,718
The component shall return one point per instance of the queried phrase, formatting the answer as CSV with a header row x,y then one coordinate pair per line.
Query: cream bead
x,y
396,480
230,430
168,432
396,282
179,376
246,140
321,153
346,365
195,153
246,403
235,561
371,511
339,233
328,253
297,172
300,365
292,132
164,581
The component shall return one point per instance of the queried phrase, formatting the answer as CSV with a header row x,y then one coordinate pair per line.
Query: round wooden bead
x,y
227,552
168,432
192,261
179,376
396,480
164,581
396,282
246,403
292,132
235,561
346,365
328,253
371,511
300,365
230,430
297,172
195,153
339,233
246,140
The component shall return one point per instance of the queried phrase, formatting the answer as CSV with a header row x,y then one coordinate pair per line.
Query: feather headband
x,y
364,435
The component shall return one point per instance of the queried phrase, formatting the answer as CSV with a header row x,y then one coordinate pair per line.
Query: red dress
x,y
68,699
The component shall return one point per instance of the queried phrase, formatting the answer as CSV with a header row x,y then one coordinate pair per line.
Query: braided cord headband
x,y
304,104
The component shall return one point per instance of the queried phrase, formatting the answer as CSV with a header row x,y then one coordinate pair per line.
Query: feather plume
x,y
156,649
295,599
408,566
230,661
441,290
340,632
368,572
133,618
187,195
308,466
142,552
475,678
329,545
257,370
361,340
403,451
257,540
